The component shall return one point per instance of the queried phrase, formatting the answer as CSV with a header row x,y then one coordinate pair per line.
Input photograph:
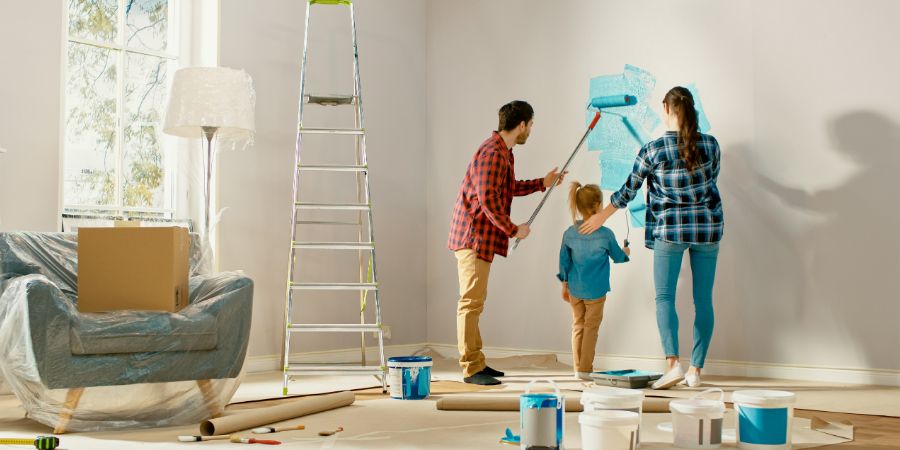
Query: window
x,y
121,55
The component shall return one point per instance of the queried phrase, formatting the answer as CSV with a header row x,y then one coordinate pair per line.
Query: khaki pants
x,y
473,280
586,318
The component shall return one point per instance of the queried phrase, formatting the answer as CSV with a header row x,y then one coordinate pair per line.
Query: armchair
x,y
92,371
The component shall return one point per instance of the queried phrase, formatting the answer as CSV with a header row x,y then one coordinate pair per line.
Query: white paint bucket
x,y
764,419
598,399
541,419
609,429
410,377
697,422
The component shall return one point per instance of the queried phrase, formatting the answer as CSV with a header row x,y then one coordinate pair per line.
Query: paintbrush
x,y
329,433
265,430
202,438
242,440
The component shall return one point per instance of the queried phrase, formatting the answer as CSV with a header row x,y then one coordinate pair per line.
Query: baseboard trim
x,y
268,363
850,375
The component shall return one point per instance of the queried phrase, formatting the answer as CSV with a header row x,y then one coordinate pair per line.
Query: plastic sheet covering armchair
x,y
87,372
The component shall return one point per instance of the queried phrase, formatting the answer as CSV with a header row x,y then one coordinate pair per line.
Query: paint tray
x,y
632,379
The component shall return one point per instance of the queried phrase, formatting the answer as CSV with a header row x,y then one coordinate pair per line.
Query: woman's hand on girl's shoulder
x,y
592,224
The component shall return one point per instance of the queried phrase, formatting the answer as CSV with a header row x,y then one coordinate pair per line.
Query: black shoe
x,y
492,372
482,379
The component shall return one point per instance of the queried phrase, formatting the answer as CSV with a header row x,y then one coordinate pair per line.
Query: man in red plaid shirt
x,y
481,227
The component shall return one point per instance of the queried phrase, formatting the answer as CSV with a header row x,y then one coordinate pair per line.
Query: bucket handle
x,y
708,391
559,397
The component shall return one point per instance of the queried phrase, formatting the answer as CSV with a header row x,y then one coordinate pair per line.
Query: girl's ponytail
x,y
573,199
585,200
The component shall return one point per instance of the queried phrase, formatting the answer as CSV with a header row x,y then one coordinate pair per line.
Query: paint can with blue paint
x,y
541,419
764,419
410,377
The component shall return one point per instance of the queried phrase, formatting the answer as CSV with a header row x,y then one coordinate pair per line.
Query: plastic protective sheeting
x,y
123,369
212,96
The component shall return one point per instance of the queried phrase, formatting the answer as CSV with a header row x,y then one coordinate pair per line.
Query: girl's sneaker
x,y
671,378
586,376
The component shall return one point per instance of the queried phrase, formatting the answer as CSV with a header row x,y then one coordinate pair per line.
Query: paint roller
x,y
597,103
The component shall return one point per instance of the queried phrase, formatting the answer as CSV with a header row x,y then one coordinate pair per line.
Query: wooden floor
x,y
870,432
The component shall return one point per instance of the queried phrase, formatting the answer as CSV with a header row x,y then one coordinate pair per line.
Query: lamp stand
x,y
209,133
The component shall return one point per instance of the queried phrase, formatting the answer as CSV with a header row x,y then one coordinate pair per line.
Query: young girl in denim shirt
x,y
584,272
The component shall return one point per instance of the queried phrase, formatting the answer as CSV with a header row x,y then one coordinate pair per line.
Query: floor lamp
x,y
211,103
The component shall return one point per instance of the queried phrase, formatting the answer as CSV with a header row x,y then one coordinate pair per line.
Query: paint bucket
x,y
697,422
609,429
764,419
632,400
410,377
541,419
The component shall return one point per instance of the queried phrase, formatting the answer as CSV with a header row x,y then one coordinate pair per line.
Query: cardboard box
x,y
133,269
127,223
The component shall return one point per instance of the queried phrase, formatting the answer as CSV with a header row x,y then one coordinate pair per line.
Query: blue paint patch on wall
x,y
623,130
633,124
637,211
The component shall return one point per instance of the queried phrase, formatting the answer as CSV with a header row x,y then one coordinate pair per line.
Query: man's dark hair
x,y
514,113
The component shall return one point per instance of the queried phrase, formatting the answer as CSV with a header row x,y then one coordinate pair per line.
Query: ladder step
x,y
301,369
335,327
333,206
309,130
325,222
330,100
330,2
334,286
335,245
332,168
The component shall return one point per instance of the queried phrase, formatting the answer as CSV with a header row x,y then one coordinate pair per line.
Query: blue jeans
x,y
667,258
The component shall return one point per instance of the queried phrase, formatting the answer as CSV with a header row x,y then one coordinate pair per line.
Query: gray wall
x,y
30,102
266,39
803,98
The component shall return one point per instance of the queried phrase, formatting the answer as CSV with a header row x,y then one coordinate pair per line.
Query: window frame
x,y
177,55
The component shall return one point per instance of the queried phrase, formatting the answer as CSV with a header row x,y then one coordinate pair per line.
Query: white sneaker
x,y
586,376
671,378
692,379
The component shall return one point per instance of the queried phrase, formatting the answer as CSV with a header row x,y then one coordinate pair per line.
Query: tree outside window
x,y
121,54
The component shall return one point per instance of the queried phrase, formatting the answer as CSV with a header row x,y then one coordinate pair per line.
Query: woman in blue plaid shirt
x,y
684,213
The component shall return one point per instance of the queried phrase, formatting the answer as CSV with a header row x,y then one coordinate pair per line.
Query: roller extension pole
x,y
561,171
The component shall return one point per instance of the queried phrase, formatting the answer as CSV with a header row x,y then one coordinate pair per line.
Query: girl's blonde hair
x,y
585,200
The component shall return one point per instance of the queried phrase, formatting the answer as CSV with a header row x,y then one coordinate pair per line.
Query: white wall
x,y
30,93
266,39
802,97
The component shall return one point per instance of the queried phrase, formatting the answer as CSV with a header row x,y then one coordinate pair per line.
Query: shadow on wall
x,y
816,268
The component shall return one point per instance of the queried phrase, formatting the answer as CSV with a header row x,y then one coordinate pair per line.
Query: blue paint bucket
x,y
541,419
410,377
764,419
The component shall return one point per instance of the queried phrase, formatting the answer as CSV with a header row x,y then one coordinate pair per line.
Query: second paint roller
x,y
598,103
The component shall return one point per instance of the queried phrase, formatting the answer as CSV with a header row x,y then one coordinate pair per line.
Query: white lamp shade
x,y
211,97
